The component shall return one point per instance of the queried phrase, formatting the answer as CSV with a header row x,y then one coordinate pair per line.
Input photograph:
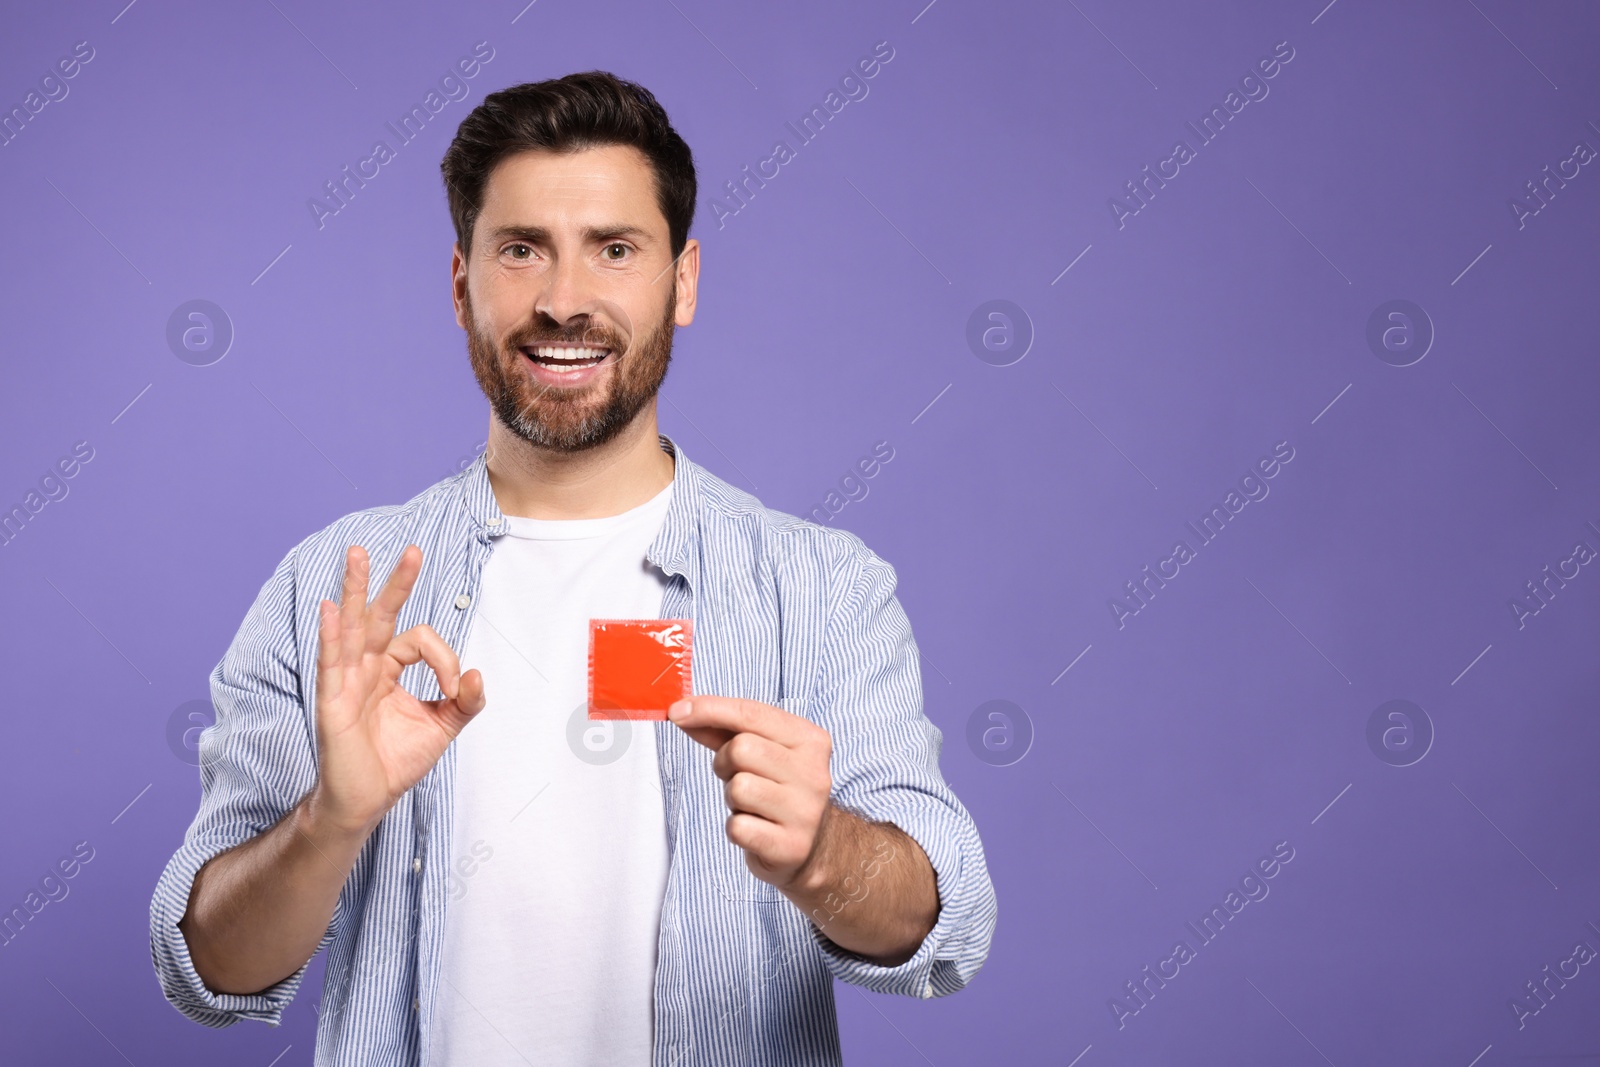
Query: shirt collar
x,y
673,549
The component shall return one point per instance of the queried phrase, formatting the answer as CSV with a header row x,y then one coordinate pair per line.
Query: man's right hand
x,y
257,911
374,739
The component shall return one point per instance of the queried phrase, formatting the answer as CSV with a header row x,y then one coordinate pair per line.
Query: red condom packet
x,y
638,667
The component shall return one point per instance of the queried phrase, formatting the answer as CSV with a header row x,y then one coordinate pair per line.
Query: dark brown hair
x,y
578,111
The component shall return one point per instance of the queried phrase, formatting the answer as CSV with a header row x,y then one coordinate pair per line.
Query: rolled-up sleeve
x,y
885,767
256,761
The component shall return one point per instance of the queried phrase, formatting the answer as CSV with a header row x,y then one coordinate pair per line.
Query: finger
x,y
353,606
385,607
421,642
754,753
452,716
738,716
760,837
709,736
329,676
755,795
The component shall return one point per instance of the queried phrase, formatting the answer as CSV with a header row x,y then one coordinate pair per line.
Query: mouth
x,y
565,364
565,358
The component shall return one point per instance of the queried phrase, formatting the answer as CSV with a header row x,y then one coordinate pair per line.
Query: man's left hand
x,y
867,886
774,766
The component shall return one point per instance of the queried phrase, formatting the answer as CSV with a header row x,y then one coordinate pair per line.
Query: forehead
x,y
538,187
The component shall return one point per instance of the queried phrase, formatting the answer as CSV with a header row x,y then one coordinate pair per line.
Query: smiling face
x,y
569,294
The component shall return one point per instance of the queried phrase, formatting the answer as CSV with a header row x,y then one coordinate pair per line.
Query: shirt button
x,y
463,600
416,863
494,521
416,1004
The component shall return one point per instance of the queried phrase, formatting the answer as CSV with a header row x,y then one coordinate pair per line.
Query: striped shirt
x,y
786,612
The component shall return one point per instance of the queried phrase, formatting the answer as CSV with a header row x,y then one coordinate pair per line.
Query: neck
x,y
538,483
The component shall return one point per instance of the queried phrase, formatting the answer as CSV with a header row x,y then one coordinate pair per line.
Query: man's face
x,y
569,294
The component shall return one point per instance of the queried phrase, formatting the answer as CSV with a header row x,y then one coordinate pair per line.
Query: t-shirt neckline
x,y
576,529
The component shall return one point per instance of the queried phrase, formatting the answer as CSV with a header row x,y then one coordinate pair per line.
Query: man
x,y
498,879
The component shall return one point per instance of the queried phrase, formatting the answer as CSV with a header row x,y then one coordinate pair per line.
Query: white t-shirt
x,y
560,843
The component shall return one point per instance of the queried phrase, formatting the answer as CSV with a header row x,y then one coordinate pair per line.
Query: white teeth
x,y
570,355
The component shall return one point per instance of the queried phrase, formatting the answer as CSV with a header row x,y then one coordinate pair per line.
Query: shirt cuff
x,y
169,949
936,969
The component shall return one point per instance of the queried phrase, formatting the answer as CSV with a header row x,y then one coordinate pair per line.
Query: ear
x,y
458,284
688,278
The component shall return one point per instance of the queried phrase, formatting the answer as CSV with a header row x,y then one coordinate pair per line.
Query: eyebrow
x,y
592,234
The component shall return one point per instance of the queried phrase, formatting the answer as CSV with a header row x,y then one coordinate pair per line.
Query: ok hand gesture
x,y
374,739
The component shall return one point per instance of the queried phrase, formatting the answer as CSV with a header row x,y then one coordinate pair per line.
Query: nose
x,y
568,291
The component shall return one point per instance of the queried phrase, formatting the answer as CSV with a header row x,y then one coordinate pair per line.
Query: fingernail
x,y
678,710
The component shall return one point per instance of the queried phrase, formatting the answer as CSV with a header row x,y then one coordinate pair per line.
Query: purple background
x,y
1227,315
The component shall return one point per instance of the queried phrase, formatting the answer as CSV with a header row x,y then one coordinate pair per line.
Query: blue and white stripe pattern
x,y
785,611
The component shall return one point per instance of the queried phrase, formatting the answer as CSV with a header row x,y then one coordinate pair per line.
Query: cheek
x,y
493,310
482,337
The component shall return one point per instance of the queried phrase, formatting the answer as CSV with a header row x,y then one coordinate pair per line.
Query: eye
x,y
617,246
512,248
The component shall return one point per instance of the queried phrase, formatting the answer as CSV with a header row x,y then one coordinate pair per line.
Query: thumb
x,y
453,713
470,697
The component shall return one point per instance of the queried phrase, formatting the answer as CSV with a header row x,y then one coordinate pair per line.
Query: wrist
x,y
817,877
323,820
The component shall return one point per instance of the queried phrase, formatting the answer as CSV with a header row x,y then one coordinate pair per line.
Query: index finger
x,y
738,715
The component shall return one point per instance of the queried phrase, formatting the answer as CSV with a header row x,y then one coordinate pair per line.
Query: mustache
x,y
593,334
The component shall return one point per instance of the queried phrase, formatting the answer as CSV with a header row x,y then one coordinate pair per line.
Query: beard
x,y
568,419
